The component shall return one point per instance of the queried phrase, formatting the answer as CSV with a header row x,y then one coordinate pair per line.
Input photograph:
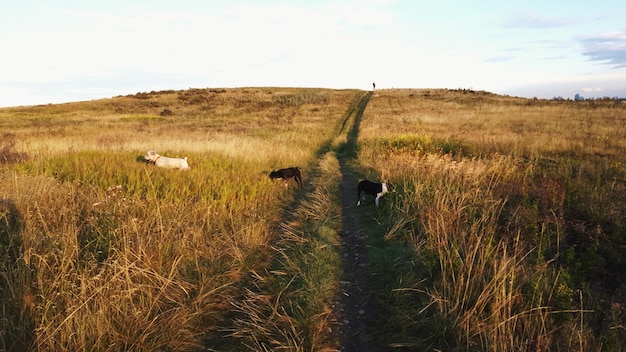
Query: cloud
x,y
593,90
608,48
529,20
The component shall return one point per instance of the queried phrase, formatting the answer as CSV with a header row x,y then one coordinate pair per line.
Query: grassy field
x,y
101,251
505,232
507,229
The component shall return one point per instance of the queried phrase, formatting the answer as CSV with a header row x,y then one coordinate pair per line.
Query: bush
x,y
8,154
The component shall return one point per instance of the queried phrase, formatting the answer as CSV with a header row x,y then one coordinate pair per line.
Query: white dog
x,y
165,162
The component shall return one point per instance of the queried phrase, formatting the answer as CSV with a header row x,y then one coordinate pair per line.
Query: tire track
x,y
359,311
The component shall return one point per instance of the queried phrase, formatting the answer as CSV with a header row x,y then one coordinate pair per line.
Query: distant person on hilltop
x,y
373,85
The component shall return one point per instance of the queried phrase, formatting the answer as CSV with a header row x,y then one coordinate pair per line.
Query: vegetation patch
x,y
8,152
314,97
416,144
109,252
290,304
142,117
511,251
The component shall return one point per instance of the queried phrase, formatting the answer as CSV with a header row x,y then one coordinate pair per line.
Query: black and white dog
x,y
286,174
374,189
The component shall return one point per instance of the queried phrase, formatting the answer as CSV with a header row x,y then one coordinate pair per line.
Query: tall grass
x,y
499,199
478,271
110,253
505,232
103,262
289,307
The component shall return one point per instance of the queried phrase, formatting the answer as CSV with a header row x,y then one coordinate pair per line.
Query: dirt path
x,y
359,311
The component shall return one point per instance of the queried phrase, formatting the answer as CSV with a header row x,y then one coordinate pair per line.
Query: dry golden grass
x,y
200,118
105,252
289,306
486,123
513,207
505,232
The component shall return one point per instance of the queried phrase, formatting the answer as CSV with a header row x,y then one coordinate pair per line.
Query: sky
x,y
55,51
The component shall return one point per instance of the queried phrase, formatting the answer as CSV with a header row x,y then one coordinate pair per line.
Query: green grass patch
x,y
213,177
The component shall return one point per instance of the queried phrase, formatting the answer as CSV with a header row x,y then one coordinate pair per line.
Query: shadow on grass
x,y
16,283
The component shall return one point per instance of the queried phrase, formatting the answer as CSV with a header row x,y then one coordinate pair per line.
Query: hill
x,y
505,230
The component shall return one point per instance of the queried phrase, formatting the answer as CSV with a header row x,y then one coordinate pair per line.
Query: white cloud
x,y
607,48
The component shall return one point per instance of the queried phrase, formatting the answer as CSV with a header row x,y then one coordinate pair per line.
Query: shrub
x,y
8,153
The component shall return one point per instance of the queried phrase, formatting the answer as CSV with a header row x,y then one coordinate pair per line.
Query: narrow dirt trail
x,y
359,311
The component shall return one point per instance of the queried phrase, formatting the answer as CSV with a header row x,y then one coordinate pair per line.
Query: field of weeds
x,y
505,231
102,251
